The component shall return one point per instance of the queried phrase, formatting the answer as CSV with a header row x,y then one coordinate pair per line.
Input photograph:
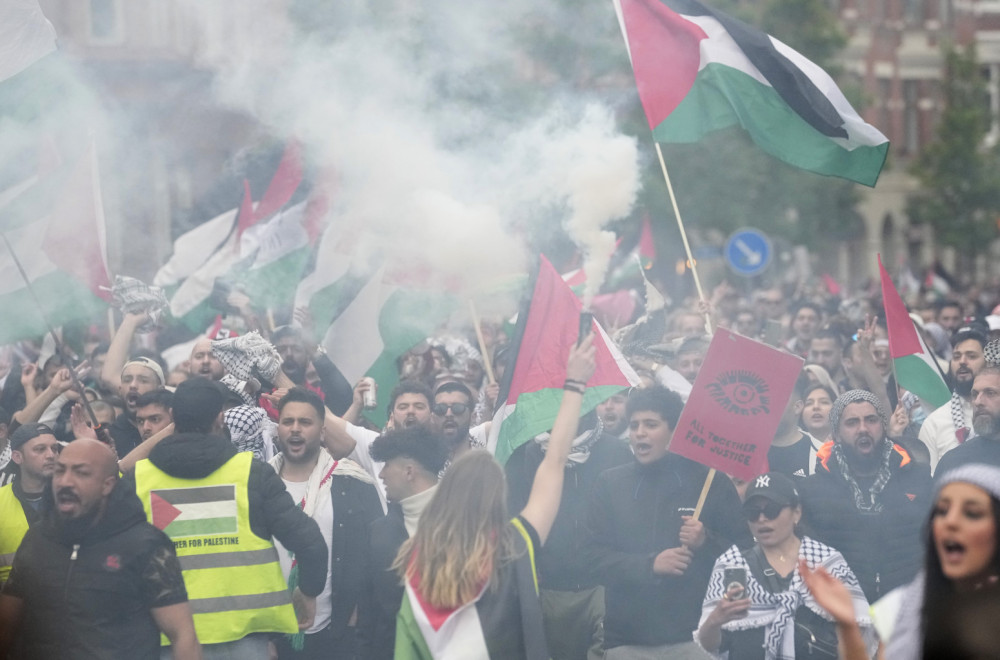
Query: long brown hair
x,y
463,537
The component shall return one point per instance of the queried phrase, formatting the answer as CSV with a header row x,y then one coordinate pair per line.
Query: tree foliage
x,y
959,174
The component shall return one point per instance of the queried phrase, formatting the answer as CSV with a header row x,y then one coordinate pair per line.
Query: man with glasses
x,y
451,415
868,498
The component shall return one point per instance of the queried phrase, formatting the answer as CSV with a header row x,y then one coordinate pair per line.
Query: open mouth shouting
x,y
67,501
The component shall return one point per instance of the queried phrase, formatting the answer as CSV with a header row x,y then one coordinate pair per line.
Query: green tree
x,y
959,174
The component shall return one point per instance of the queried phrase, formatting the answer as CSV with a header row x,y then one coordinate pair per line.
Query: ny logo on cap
x,y
763,481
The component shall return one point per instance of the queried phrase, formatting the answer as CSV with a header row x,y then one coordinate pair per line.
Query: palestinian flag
x,y
698,71
384,320
532,389
425,632
216,248
63,254
198,511
916,368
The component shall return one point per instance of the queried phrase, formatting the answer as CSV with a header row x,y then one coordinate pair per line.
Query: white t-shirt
x,y
361,455
324,518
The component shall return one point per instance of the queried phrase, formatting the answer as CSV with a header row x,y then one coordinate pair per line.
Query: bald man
x,y
203,363
113,578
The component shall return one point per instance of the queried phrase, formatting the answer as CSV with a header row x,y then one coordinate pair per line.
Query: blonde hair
x,y
464,537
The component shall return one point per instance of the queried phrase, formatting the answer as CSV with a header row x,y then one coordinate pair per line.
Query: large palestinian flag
x,y
698,70
533,388
916,368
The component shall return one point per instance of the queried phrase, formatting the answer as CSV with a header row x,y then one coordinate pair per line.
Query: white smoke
x,y
401,102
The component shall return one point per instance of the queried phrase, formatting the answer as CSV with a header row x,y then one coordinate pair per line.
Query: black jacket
x,y
377,621
981,449
356,506
635,513
884,549
561,566
125,434
97,604
272,511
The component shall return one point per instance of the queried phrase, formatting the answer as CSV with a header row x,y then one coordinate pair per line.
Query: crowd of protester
x,y
239,501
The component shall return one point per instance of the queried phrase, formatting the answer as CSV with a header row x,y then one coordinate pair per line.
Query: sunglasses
x,y
441,409
771,510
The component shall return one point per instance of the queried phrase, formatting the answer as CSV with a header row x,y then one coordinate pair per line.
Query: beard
x,y
963,388
985,424
74,529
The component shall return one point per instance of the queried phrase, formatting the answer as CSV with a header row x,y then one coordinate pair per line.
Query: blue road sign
x,y
748,252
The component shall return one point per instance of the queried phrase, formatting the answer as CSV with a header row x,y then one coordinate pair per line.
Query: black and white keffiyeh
x,y
958,417
248,356
246,428
776,612
579,451
132,296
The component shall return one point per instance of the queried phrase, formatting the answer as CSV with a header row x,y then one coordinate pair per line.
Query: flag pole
x,y
77,385
684,238
482,342
701,295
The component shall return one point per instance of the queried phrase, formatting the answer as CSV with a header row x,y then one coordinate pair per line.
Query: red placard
x,y
735,405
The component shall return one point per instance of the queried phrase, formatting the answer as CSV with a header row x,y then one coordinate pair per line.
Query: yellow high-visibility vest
x,y
233,578
13,527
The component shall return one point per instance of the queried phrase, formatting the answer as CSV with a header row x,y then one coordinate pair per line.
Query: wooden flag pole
x,y
701,295
482,343
684,238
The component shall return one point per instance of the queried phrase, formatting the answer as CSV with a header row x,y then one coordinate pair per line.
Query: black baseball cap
x,y
26,433
775,487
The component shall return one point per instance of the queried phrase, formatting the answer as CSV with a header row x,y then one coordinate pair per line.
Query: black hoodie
x,y
89,594
272,511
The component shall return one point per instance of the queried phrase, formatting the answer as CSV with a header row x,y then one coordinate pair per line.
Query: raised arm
x,y
61,382
546,490
111,372
127,463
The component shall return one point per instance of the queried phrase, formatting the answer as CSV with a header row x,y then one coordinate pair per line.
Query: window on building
x,y
911,117
885,96
105,21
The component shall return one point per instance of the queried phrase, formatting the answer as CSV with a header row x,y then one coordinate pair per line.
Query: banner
x,y
735,405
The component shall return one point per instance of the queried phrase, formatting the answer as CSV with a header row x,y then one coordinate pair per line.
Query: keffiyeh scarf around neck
x,y
776,612
958,417
579,451
868,502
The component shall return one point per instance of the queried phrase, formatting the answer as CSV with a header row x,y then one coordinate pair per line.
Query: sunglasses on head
x,y
771,510
441,409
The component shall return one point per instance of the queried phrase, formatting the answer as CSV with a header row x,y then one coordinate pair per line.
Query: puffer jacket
x,y
883,548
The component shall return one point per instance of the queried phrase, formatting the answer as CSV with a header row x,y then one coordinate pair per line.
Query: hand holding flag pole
x,y
77,385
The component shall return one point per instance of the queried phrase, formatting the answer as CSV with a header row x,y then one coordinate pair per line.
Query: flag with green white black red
x,y
699,70
915,366
532,389
197,511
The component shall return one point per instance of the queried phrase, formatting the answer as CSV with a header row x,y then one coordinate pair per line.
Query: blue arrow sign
x,y
748,252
